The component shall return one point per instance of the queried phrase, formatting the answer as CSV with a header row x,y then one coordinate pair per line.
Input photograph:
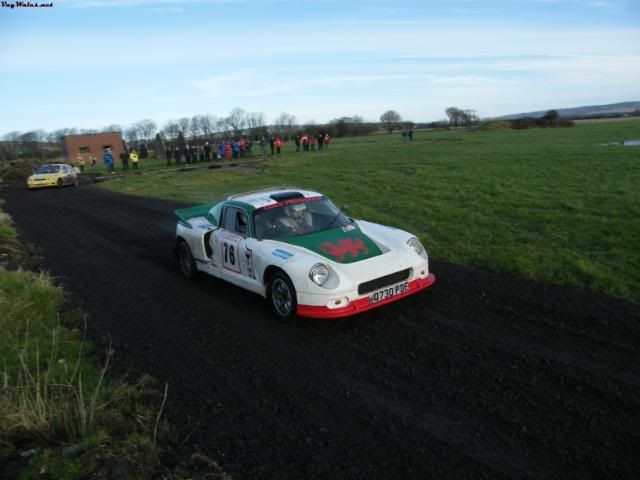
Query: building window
x,y
84,150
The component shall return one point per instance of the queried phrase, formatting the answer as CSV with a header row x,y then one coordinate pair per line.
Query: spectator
x,y
263,145
227,150
178,155
272,144
278,144
187,154
133,156
248,147
326,141
235,148
168,153
305,142
410,134
207,151
242,146
124,158
313,141
93,160
320,138
107,158
297,143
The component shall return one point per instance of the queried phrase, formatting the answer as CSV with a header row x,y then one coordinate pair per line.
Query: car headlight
x,y
319,274
415,244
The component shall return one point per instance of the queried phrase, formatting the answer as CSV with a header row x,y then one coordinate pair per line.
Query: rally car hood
x,y
44,176
348,244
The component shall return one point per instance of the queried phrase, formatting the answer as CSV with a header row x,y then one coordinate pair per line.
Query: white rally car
x,y
301,253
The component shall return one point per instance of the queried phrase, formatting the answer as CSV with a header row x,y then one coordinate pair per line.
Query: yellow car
x,y
53,175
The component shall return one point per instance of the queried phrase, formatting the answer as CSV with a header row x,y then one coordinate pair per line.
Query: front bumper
x,y
362,304
42,183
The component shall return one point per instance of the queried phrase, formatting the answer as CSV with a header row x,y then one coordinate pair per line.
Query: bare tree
x,y
146,128
57,135
171,130
390,119
195,127
184,123
133,134
111,128
207,125
236,120
284,121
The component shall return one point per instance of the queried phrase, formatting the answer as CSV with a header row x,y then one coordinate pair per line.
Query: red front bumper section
x,y
362,304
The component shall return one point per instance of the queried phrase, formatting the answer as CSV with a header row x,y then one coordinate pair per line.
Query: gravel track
x,y
485,375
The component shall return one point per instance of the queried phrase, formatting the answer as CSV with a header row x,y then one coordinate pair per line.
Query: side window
x,y
235,220
229,218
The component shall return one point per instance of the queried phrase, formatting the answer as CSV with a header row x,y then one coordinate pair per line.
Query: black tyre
x,y
186,263
282,297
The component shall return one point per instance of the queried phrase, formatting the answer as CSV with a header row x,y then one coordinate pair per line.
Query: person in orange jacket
x,y
278,144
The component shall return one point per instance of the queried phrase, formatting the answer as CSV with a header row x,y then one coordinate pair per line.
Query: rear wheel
x,y
185,260
282,297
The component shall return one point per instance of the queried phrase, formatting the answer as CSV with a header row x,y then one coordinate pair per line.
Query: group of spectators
x,y
232,149
227,149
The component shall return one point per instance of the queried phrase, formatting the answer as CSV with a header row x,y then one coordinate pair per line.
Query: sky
x,y
93,63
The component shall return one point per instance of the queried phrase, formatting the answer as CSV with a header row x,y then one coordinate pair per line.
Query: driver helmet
x,y
296,210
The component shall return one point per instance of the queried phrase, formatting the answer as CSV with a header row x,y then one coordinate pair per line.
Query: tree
x,y
236,120
171,130
195,127
111,128
146,128
454,114
390,119
132,134
184,123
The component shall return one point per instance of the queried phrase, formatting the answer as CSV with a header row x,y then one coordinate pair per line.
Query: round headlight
x,y
319,274
414,243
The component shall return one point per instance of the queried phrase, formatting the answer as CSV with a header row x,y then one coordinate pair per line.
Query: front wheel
x,y
282,297
185,261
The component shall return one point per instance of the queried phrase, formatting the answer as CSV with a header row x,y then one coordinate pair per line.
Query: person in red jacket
x,y
326,141
227,150
278,144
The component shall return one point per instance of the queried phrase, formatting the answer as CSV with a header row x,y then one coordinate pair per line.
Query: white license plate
x,y
388,292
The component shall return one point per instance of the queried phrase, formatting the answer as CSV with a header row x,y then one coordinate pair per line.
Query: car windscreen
x,y
48,169
297,216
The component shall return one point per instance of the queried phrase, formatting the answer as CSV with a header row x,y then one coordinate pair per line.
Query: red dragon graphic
x,y
344,247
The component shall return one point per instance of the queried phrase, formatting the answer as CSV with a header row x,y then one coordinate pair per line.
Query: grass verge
x,y
63,415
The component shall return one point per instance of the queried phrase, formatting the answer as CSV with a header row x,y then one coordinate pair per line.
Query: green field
x,y
552,204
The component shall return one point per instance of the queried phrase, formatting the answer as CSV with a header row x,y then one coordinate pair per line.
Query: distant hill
x,y
614,109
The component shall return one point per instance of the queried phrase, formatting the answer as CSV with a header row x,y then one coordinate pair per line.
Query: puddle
x,y
626,143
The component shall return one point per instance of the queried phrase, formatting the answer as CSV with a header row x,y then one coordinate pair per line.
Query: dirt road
x,y
485,375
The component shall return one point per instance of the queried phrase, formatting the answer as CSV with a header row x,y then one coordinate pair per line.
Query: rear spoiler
x,y
185,214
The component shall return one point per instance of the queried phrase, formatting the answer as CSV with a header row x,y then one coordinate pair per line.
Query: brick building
x,y
85,144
